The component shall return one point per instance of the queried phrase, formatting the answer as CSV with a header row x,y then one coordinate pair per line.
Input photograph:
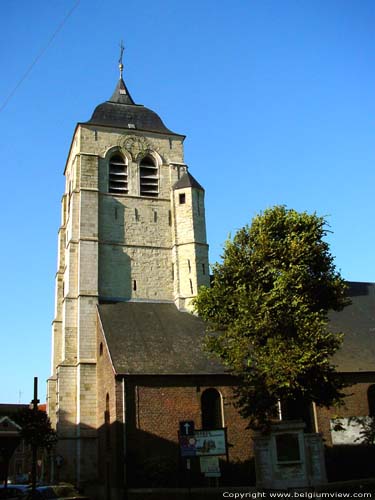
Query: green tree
x,y
267,311
36,428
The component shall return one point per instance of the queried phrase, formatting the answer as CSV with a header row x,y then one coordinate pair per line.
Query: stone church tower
x,y
132,229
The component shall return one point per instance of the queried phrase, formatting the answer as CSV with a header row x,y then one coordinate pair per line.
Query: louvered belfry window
x,y
149,180
118,175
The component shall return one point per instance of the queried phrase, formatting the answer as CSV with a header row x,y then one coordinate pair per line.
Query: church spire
x,y
121,94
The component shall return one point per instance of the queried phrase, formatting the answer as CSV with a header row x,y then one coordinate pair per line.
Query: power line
x,y
38,57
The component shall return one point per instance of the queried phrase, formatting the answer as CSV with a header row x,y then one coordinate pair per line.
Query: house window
x,y
148,176
212,417
118,175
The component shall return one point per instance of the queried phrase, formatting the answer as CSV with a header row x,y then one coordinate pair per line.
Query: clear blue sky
x,y
276,99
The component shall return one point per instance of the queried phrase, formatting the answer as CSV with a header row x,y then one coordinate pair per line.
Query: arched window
x,y
118,175
371,400
148,177
212,417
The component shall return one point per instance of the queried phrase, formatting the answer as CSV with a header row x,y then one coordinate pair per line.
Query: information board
x,y
204,443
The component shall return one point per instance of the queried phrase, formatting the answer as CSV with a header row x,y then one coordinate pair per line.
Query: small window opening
x,y
189,265
136,214
170,144
101,349
191,287
169,218
95,135
118,175
182,198
203,269
155,216
211,409
173,271
134,285
149,179
116,213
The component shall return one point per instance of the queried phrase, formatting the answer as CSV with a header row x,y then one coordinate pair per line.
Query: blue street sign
x,y
186,427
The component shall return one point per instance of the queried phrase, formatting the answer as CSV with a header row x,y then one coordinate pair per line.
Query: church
x,y
127,358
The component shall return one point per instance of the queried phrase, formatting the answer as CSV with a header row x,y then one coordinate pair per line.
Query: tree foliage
x,y
268,306
36,428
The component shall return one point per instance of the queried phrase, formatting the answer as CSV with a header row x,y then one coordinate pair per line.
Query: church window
x,y
136,214
101,349
134,285
212,417
371,400
118,175
149,179
182,198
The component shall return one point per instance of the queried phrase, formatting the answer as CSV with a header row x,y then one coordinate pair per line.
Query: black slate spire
x,y
121,94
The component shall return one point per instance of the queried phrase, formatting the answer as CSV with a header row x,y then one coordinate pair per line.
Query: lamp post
x,y
34,445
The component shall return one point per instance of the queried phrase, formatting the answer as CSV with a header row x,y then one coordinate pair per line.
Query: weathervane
x,y
120,65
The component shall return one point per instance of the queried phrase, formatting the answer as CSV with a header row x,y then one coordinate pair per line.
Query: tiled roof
x,y
155,338
187,181
357,322
158,339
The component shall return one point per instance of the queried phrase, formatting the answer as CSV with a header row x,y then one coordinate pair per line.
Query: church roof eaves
x,y
131,129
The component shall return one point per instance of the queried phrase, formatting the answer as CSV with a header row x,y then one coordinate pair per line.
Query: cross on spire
x,y
120,65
